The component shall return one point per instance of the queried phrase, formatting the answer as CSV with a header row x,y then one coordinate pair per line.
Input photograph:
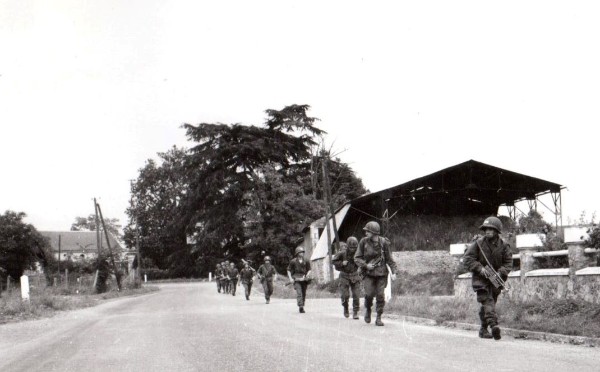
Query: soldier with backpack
x,y
349,278
298,272
490,260
373,258
266,273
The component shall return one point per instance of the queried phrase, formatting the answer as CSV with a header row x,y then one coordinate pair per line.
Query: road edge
x,y
515,333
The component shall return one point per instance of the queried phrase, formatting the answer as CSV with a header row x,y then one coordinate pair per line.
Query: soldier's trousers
x,y
227,285
218,285
247,288
233,286
300,288
375,287
488,297
347,286
267,288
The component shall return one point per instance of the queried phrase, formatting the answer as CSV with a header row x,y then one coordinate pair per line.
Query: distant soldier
x,y
373,257
233,277
218,277
246,278
298,271
226,282
349,278
266,273
488,258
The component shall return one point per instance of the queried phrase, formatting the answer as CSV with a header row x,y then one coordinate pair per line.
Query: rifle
x,y
491,274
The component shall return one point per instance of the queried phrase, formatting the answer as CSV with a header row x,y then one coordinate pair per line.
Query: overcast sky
x,y
91,89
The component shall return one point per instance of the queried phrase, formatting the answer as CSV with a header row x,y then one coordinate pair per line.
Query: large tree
x,y
226,169
21,245
153,210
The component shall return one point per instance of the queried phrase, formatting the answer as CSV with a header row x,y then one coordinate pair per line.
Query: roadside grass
x,y
47,301
568,317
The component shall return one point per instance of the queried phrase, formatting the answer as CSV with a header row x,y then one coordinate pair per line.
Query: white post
x,y
145,278
25,288
210,277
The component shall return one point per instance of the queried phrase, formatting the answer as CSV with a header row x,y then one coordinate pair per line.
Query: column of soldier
x,y
369,262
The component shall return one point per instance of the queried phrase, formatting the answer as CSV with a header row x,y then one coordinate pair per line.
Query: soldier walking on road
x,y
233,277
266,273
226,280
488,258
299,273
373,257
218,277
246,276
349,278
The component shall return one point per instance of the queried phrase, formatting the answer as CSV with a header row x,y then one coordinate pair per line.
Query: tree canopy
x,y
21,245
239,189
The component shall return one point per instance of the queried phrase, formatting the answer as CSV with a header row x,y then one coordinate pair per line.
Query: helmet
x,y
372,227
299,249
267,258
352,242
492,223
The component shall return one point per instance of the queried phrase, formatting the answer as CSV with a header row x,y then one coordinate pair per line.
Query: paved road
x,y
189,327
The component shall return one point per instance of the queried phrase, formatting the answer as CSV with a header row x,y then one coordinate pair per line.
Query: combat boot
x,y
354,314
484,333
302,309
368,315
378,321
346,313
496,333
268,301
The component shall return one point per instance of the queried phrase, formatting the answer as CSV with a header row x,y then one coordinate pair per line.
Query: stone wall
x,y
409,262
421,262
581,280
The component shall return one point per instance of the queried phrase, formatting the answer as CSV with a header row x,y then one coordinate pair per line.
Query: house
x,y
80,245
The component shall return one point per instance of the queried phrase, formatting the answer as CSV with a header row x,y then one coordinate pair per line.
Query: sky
x,y
89,90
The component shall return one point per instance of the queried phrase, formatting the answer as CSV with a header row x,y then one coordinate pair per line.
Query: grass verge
x,y
568,317
47,301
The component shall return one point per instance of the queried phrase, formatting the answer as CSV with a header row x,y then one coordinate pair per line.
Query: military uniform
x,y
375,280
246,276
498,253
233,278
226,281
349,279
218,278
266,272
298,269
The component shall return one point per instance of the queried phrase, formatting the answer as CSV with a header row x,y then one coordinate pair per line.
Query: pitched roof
x,y
465,188
78,241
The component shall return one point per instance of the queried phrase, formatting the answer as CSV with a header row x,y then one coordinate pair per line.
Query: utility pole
x,y
329,206
112,257
59,257
97,228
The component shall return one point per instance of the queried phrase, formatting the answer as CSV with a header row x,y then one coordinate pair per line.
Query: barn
x,y
467,190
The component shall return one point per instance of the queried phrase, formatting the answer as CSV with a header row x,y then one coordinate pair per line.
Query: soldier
x,y
349,278
266,273
233,277
373,257
486,258
226,281
218,277
299,273
246,276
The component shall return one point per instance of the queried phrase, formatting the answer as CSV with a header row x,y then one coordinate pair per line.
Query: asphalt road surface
x,y
190,327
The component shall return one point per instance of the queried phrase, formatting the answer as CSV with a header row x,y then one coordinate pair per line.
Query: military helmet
x,y
352,242
299,249
492,223
372,227
267,258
